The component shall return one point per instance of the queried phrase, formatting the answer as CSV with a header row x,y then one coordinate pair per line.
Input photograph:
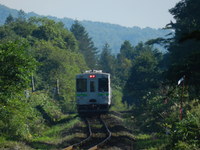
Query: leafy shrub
x,y
186,133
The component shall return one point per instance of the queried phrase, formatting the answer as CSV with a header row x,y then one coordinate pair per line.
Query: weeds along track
x,y
98,134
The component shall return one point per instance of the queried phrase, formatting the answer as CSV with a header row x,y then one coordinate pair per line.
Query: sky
x,y
129,13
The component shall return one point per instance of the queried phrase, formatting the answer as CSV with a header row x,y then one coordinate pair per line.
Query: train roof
x,y
93,72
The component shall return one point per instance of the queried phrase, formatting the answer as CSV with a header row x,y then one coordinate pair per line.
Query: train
x,y
93,91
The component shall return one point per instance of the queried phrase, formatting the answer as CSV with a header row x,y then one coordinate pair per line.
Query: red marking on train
x,y
92,76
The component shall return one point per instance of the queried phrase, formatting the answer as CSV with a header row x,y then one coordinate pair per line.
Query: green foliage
x,y
58,65
16,67
186,133
144,76
86,45
124,63
107,60
183,58
55,48
184,46
9,19
49,30
14,119
117,104
127,50
49,49
50,106
150,142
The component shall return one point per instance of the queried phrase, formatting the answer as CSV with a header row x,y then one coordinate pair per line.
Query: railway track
x,y
98,134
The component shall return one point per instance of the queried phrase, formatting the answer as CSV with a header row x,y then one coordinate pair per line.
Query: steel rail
x,y
71,147
94,147
109,134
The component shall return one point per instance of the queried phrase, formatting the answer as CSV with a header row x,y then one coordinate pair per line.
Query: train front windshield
x,y
81,85
103,85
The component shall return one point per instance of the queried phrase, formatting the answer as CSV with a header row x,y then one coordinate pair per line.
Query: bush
x,y
186,133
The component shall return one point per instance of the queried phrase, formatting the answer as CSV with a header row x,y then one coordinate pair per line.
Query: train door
x,y
93,90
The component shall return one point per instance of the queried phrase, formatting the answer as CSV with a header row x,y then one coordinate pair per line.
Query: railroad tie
x,y
69,148
93,148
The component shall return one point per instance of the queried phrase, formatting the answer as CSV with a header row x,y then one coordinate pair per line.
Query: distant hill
x,y
101,33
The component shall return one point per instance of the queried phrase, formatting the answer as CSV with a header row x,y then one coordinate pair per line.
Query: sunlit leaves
x,y
16,66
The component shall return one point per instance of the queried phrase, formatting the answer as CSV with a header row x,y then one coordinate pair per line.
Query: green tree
x,y
127,50
144,77
21,16
57,64
16,67
184,47
49,30
124,62
86,45
9,19
107,60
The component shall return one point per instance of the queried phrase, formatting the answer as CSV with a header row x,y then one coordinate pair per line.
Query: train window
x,y
81,85
103,84
92,86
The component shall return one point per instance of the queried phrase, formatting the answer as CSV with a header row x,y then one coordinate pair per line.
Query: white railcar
x,y
93,92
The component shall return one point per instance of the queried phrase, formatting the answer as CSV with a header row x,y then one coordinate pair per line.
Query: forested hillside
x,y
102,33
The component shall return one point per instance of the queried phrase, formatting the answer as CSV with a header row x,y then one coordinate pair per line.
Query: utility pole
x,y
33,83
181,109
57,87
181,101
